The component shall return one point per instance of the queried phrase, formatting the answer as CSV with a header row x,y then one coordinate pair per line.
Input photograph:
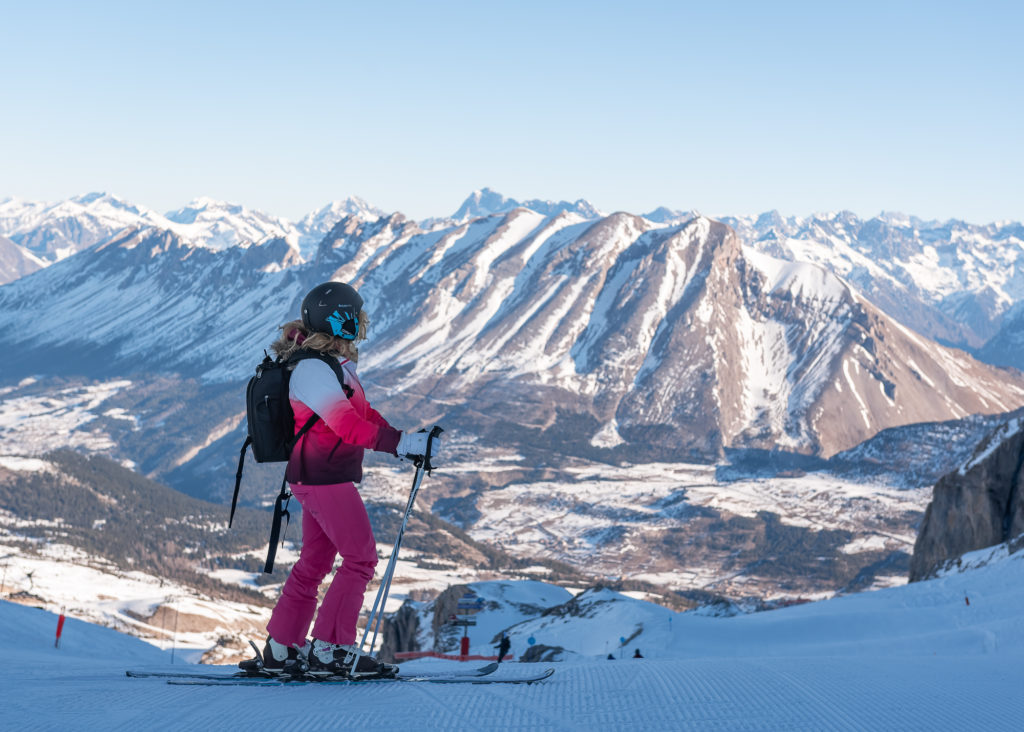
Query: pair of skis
x,y
482,675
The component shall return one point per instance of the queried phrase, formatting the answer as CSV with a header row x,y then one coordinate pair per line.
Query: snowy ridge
x,y
485,202
315,225
57,230
219,225
52,231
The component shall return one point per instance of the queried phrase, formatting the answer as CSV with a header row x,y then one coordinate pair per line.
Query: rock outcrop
x,y
976,506
542,654
402,629
399,632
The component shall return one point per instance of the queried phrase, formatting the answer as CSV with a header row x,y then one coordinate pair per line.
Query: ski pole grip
x,y
435,433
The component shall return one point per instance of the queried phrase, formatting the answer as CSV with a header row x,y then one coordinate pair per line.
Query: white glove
x,y
413,445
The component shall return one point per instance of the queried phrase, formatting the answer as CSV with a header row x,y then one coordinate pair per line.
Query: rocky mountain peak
x,y
486,202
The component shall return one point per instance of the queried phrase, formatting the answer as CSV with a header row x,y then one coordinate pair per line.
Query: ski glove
x,y
413,445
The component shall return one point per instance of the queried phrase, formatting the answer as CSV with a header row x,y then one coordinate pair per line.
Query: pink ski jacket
x,y
332,450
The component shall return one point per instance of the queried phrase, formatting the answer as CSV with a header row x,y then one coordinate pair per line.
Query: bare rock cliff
x,y
979,505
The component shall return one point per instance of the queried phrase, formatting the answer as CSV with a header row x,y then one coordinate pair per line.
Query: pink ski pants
x,y
334,521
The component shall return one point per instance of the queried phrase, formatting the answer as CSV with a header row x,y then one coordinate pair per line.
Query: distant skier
x,y
611,657
636,653
324,466
503,645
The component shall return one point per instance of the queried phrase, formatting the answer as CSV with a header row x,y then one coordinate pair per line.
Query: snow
x,y
865,413
800,279
92,589
36,424
608,436
943,654
25,465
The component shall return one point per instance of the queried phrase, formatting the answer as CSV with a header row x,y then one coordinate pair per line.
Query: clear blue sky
x,y
729,107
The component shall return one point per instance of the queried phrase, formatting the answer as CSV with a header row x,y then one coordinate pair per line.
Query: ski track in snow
x,y
917,657
698,694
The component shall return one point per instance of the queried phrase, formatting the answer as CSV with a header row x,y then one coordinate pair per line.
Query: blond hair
x,y
295,336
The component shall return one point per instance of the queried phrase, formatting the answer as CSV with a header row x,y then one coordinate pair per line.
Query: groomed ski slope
x,y
913,657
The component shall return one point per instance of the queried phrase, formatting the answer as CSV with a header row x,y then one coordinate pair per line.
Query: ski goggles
x,y
344,324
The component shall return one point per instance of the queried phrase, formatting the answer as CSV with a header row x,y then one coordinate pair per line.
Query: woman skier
x,y
323,468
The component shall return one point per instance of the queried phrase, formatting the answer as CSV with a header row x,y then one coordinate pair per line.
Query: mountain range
x,y
570,354
955,282
619,335
48,232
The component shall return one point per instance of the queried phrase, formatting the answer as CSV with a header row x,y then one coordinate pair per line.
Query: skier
x,y
503,645
636,653
324,466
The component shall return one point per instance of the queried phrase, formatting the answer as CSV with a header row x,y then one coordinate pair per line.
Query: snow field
x,y
910,658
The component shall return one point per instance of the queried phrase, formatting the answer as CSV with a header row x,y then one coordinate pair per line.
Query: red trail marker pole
x,y
60,627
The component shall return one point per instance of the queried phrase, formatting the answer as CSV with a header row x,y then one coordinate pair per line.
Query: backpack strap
x,y
280,511
305,428
238,478
293,360
302,355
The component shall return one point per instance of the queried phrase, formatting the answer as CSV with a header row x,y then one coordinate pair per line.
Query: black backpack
x,y
271,428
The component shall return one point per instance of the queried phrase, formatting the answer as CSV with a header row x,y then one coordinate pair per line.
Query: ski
x,y
304,680
190,675
239,676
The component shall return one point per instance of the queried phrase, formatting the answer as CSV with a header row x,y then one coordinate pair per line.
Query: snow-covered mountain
x,y
607,333
485,202
219,225
670,338
664,338
951,281
315,225
664,215
54,231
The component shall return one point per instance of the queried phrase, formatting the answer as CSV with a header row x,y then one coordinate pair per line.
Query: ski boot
x,y
329,659
276,658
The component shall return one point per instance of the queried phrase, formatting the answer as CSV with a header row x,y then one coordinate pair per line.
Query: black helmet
x,y
333,308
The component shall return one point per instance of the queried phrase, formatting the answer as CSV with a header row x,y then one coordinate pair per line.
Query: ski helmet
x,y
333,308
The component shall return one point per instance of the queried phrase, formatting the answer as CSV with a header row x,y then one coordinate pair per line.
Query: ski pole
x,y
384,581
377,613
